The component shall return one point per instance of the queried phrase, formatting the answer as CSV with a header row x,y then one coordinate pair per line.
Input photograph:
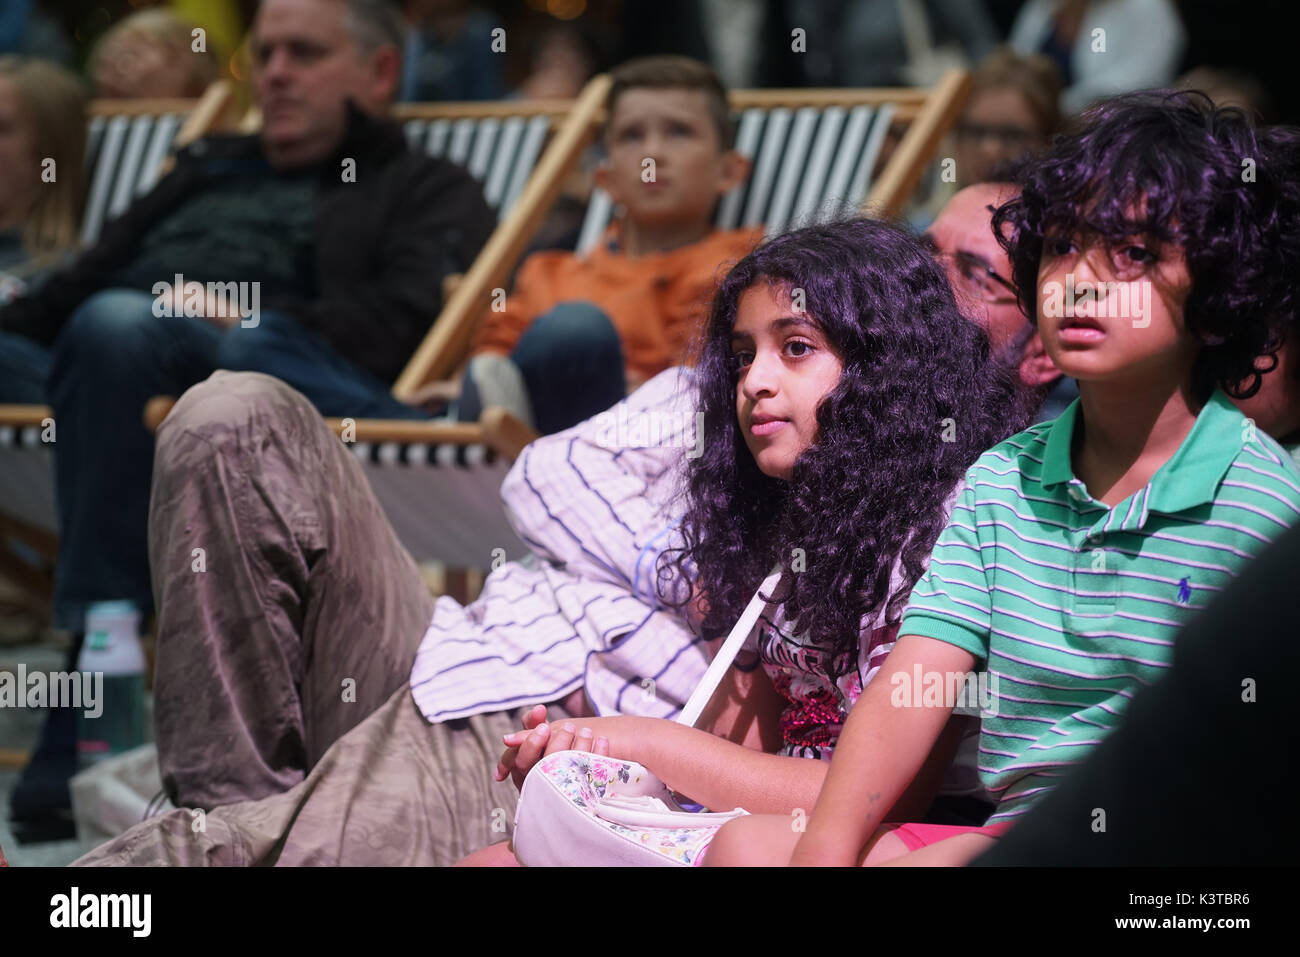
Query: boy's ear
x,y
1036,367
736,168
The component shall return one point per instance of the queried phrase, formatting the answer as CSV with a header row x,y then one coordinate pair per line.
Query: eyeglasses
x,y
978,277
1011,136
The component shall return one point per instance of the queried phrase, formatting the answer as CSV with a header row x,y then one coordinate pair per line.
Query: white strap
x,y
730,648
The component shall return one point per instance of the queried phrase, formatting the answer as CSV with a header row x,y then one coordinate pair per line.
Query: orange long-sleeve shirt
x,y
657,302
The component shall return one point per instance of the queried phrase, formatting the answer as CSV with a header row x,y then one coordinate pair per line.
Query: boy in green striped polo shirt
x,y
1077,549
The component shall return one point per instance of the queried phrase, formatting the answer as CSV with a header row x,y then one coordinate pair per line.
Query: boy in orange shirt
x,y
581,330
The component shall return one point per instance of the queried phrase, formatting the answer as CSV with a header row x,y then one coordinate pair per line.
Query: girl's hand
x,y
538,739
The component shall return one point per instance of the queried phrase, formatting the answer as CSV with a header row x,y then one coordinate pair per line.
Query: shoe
x,y
41,803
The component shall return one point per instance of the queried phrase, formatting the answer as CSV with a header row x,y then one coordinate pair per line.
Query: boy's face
x,y
666,165
1115,313
786,367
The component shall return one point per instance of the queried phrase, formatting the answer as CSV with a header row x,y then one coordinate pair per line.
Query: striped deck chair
x,y
498,142
128,143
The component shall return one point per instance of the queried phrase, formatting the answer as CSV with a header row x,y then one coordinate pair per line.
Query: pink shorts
x,y
917,836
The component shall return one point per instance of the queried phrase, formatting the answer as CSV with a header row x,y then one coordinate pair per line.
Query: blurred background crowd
x,y
1032,61
122,47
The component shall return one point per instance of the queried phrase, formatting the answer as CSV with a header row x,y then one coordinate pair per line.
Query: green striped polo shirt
x,y
1072,606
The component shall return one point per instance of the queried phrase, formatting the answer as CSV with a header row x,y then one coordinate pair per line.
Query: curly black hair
x,y
1173,167
919,398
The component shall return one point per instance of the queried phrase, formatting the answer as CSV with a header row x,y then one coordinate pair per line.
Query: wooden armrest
x,y
407,431
506,433
498,429
14,759
25,416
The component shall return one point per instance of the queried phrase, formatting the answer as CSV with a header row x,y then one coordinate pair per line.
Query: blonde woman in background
x,y
42,152
1013,110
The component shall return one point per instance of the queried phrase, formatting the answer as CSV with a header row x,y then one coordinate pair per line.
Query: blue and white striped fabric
x,y
595,504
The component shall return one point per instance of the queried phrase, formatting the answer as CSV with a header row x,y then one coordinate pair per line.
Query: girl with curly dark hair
x,y
842,397
1154,247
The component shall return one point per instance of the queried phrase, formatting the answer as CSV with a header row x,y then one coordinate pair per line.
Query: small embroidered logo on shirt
x,y
1184,591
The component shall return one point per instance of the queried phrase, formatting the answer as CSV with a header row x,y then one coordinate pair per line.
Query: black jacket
x,y
382,243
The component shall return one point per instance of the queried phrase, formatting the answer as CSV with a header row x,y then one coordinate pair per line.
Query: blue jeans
x,y
110,359
24,366
571,361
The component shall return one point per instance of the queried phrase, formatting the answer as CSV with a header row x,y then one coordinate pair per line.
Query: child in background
x,y
580,330
1078,548
151,54
836,370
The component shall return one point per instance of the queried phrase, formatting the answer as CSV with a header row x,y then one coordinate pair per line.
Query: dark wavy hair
x,y
873,487
1281,150
1172,167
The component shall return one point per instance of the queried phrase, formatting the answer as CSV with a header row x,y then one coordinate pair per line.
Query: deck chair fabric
x,y
443,500
128,145
26,470
499,152
125,156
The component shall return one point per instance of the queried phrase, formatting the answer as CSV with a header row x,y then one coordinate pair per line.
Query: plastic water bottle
x,y
112,648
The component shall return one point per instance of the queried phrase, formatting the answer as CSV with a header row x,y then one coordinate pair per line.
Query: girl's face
x,y
785,368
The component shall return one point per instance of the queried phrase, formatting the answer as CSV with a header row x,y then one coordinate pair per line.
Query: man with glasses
x,y
962,239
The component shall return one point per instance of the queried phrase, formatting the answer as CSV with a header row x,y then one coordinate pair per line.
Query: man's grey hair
x,y
375,23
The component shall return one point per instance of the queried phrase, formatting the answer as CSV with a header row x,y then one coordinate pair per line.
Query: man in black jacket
x,y
313,251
